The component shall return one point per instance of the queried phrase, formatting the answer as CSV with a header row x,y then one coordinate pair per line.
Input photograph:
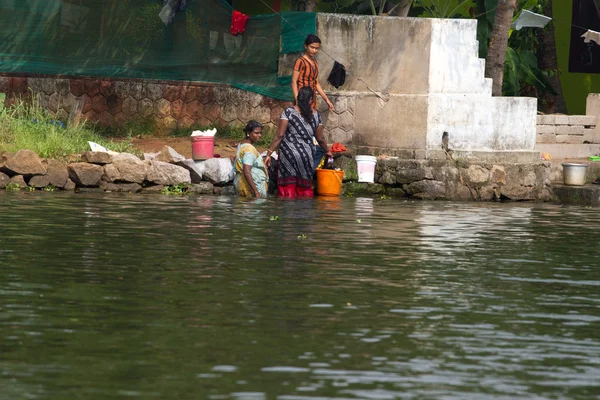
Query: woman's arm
x,y
281,128
295,75
323,95
321,140
248,175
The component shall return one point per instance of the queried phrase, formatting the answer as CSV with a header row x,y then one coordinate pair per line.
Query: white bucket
x,y
574,174
366,168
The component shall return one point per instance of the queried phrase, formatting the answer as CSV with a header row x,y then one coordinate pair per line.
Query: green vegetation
x,y
178,190
274,218
50,188
13,187
29,126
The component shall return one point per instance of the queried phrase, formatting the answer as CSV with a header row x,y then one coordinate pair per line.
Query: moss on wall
x,y
575,86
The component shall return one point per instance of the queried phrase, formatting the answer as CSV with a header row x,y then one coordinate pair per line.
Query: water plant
x,y
302,237
29,188
384,197
50,188
179,190
274,218
13,186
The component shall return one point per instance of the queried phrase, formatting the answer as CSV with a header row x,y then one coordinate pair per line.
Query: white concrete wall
x,y
435,79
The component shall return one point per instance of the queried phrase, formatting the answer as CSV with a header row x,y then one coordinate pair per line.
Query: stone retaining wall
x,y
567,129
171,105
452,180
419,179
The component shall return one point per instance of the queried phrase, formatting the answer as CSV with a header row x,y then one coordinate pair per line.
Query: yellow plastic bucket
x,y
329,182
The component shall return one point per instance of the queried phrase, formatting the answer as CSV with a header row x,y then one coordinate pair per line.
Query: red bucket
x,y
203,147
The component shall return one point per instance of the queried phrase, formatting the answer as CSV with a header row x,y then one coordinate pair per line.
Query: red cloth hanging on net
x,y
238,22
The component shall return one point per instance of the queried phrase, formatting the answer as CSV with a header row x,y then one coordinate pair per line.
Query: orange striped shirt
x,y
309,73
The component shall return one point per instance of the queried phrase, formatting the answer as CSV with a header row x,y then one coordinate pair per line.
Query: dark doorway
x,y
584,57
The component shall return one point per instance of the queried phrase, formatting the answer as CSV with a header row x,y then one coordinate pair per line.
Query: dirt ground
x,y
183,145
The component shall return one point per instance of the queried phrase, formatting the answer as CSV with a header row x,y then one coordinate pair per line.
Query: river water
x,y
133,296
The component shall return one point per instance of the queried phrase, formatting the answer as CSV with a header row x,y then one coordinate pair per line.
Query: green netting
x,y
127,39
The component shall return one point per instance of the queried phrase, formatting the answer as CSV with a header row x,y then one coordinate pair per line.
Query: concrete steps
x,y
562,151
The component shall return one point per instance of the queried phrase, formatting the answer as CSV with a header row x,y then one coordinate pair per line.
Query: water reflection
x,y
209,297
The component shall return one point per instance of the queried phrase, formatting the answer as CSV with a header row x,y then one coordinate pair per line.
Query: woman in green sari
x,y
251,177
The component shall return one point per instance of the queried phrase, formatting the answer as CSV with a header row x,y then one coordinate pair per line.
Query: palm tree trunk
x,y
548,60
402,9
494,67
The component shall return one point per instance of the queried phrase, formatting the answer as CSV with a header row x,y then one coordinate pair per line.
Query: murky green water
x,y
119,297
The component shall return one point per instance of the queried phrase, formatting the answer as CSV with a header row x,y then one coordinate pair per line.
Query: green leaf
x,y
510,82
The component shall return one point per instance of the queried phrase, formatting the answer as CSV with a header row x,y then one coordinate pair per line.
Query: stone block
x,y
92,87
121,187
261,114
194,110
201,188
340,104
106,119
39,181
586,120
99,104
127,168
195,170
162,108
122,89
25,162
346,121
542,129
56,172
570,130
338,135
62,86
427,189
84,174
169,155
162,173
146,108
218,171
589,135
563,139
330,120
177,108
4,180
560,119
185,122
154,91
546,138
348,165
18,180
130,106
476,175
212,112
546,119
107,88
229,112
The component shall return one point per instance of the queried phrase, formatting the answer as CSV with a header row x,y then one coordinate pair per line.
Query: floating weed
x,y
384,197
29,188
50,188
13,186
358,221
274,218
349,194
302,237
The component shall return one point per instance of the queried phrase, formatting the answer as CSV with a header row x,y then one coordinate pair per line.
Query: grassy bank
x,y
28,126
